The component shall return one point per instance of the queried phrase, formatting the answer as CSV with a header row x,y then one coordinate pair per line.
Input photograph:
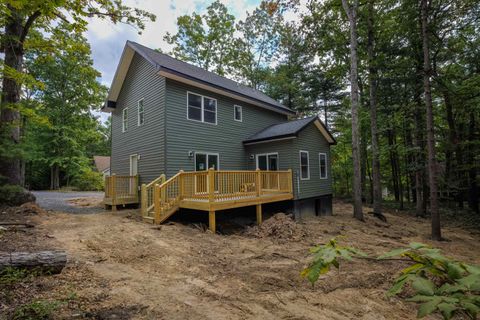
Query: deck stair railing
x,y
212,186
121,190
146,195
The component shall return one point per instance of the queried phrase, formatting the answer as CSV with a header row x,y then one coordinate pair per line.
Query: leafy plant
x,y
440,283
88,180
325,256
40,309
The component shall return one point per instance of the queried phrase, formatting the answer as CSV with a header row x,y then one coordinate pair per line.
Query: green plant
x,y
36,310
10,276
88,180
325,256
439,283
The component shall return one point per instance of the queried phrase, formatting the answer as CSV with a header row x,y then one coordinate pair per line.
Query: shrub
x,y
12,195
88,180
36,310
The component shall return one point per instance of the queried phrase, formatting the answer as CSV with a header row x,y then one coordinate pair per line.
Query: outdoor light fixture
x,y
190,154
252,156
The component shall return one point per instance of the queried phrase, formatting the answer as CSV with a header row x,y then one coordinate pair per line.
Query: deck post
x,y
113,191
259,214
181,188
290,181
143,199
259,182
211,220
211,186
156,203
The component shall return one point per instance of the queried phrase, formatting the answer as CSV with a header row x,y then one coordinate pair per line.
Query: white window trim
x,y
267,154
235,106
138,112
308,164
135,155
207,154
320,167
124,120
202,108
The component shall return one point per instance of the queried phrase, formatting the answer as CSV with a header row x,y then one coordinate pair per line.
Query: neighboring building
x,y
102,164
168,115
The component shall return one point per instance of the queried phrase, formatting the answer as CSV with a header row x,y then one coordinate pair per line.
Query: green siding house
x,y
168,115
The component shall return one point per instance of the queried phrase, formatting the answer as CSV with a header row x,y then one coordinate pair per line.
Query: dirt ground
x,y
121,268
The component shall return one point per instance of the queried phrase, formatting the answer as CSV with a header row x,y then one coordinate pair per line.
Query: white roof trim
x,y
120,74
324,132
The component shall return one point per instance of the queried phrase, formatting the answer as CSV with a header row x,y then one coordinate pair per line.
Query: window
x,y
322,160
125,120
304,166
237,113
201,108
205,161
140,111
267,161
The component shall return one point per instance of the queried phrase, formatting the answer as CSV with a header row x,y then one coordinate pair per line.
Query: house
x,y
168,115
102,164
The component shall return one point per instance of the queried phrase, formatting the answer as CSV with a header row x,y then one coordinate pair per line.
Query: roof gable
x,y
289,129
170,67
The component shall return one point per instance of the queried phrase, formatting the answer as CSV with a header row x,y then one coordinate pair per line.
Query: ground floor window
x,y
206,160
322,159
304,165
267,161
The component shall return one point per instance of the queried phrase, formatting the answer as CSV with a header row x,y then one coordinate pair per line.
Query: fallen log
x,y
43,261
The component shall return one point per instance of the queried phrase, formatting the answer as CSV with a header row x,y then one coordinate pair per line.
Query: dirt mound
x,y
26,209
280,226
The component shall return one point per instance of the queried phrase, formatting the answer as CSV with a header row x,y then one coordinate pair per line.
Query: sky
x,y
107,40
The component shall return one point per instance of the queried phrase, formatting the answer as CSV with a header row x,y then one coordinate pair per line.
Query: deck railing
x,y
147,196
121,190
216,186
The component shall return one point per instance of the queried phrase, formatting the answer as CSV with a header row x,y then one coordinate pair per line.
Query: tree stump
x,y
43,261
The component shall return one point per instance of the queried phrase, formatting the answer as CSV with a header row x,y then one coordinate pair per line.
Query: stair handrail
x,y
161,195
147,195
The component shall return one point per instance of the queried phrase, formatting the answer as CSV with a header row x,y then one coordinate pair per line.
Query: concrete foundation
x,y
318,206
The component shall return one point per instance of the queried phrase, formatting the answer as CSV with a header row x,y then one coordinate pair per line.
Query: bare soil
x,y
121,268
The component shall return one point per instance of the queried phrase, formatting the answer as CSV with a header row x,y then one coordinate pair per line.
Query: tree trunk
x,y
432,172
420,195
45,261
372,82
351,12
473,193
10,166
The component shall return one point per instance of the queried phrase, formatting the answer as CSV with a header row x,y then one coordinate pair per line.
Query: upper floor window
x,y
237,113
304,166
201,108
125,120
322,159
140,112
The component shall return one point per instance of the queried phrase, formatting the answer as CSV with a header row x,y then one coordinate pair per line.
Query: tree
x,y
351,11
206,40
432,165
18,19
68,93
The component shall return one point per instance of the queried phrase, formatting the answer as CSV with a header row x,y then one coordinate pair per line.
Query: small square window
x,y
237,116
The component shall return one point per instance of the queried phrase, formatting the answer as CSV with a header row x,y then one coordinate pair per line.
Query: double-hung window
x,y
237,113
201,108
322,160
125,120
304,166
140,113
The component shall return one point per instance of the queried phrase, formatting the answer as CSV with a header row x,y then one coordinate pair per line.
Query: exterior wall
x,y
225,137
310,139
147,140
282,147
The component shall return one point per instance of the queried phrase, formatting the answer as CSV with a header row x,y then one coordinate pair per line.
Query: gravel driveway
x,y
57,201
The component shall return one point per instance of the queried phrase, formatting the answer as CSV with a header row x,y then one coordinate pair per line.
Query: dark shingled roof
x,y
281,130
166,63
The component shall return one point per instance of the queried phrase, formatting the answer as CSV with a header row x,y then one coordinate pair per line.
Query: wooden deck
x,y
120,190
214,190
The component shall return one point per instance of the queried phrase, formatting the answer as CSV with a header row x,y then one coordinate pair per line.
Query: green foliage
x,y
13,195
439,283
36,310
325,256
88,180
10,276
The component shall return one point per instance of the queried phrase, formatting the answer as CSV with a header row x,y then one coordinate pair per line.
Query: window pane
x,y
210,104
304,172
200,162
213,161
194,100
304,158
323,166
209,116
238,113
262,162
273,162
194,113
